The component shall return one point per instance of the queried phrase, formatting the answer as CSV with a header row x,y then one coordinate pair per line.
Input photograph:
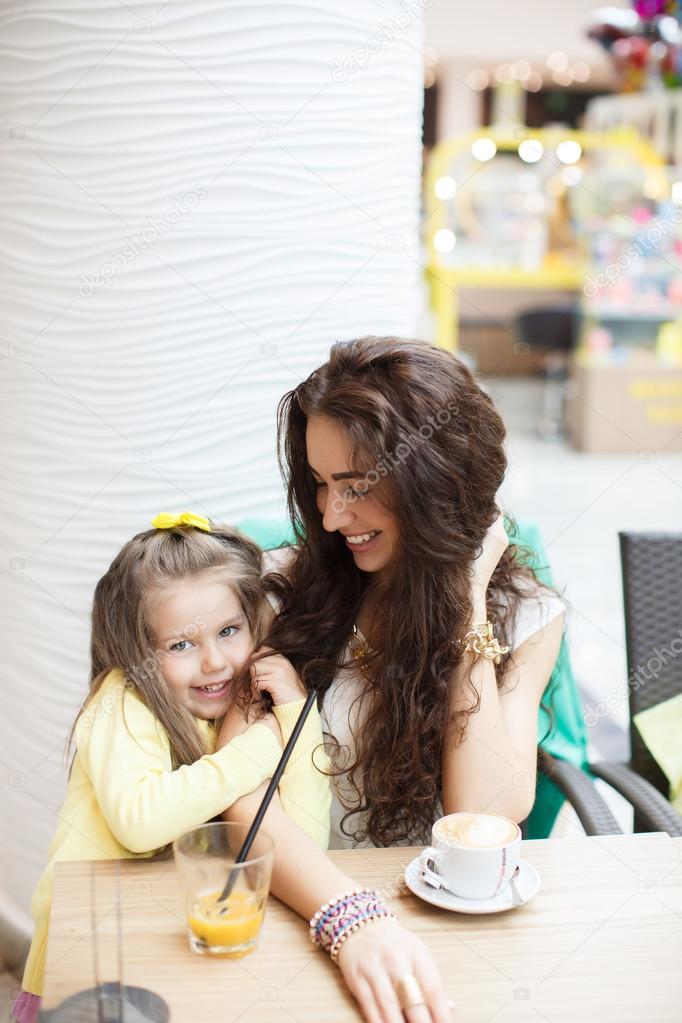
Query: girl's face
x,y
345,500
202,640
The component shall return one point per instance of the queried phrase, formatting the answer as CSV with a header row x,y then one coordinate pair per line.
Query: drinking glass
x,y
204,858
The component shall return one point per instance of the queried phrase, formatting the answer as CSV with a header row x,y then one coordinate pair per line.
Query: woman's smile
x,y
344,500
358,543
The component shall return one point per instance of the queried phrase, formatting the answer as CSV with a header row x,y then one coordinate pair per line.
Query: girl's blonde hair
x,y
122,637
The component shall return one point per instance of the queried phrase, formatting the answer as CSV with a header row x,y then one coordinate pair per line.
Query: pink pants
x,y
26,1008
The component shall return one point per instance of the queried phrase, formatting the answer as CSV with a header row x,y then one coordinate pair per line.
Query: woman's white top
x,y
342,709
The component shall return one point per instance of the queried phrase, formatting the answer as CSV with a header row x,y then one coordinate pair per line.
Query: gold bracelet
x,y
359,924
482,641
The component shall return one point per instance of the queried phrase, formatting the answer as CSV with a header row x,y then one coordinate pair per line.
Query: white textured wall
x,y
194,203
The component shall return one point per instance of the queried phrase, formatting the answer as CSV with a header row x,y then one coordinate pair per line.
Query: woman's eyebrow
x,y
352,475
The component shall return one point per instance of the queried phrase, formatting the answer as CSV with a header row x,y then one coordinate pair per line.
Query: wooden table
x,y
600,942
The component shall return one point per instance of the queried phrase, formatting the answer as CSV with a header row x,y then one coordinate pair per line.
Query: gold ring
x,y
409,992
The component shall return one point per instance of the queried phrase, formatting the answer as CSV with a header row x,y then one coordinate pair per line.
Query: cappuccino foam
x,y
476,830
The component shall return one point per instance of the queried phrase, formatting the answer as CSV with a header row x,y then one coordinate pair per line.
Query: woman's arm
x,y
304,789
494,767
371,960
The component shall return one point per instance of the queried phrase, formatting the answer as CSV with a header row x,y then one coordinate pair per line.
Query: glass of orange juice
x,y
204,857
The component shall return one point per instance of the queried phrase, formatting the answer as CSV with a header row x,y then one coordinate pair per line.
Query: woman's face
x,y
344,500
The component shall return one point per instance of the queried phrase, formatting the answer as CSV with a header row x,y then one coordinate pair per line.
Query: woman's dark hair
x,y
430,444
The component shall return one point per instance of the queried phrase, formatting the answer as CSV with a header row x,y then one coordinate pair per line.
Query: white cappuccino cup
x,y
473,855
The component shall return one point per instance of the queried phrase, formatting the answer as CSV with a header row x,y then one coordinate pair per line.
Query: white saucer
x,y
527,883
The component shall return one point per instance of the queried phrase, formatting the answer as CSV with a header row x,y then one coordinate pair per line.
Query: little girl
x,y
175,619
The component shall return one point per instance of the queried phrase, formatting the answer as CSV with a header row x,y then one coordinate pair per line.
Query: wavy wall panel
x,y
197,198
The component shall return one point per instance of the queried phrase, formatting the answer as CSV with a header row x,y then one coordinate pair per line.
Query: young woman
x,y
427,634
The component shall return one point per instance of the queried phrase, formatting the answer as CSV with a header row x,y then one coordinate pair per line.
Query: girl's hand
x,y
375,958
274,674
495,544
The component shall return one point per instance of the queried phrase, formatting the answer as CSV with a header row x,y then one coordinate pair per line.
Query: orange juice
x,y
228,928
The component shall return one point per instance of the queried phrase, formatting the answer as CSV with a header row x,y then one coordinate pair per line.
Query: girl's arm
x,y
494,767
125,753
371,960
304,789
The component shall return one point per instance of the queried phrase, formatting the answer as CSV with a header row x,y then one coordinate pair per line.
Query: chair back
x,y
652,597
553,328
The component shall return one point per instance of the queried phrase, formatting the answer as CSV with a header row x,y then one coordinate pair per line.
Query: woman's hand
x,y
495,543
276,675
376,958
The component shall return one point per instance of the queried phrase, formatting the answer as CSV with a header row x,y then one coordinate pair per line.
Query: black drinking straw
x,y
267,798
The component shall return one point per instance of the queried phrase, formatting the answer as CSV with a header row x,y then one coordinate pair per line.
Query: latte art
x,y
476,830
472,855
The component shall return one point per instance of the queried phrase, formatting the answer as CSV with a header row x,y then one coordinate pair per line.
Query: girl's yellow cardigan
x,y
123,799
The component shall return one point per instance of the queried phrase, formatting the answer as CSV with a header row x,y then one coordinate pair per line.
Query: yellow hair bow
x,y
167,521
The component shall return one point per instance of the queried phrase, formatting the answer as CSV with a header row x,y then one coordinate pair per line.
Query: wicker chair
x,y
652,592
578,788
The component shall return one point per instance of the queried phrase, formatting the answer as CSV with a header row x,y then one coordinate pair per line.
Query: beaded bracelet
x,y
326,912
362,921
364,904
323,922
335,921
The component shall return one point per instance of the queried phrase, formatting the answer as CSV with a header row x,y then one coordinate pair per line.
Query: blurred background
x,y
199,199
552,224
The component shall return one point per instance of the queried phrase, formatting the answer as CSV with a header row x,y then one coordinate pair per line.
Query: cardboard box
x,y
634,409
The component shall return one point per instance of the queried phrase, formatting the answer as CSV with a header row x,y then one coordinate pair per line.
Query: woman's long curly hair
x,y
430,444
